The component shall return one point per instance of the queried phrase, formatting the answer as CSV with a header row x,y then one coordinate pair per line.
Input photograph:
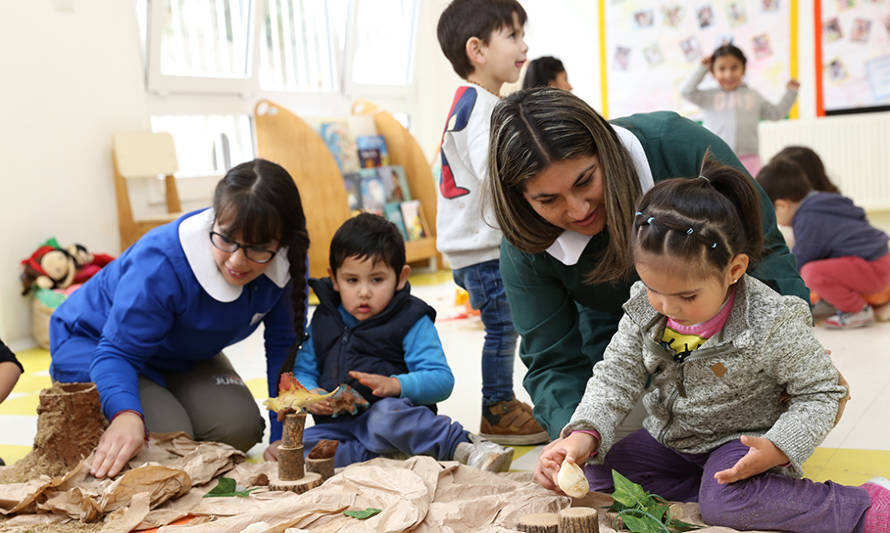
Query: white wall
x,y
70,79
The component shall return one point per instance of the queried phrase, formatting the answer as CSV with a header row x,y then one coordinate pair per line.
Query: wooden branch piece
x,y
292,433
539,523
324,467
290,463
579,520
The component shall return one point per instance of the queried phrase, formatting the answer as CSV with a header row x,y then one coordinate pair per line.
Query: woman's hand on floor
x,y
121,442
762,455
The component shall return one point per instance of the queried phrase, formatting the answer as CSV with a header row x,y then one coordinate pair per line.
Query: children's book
x,y
393,212
373,191
341,143
372,151
353,183
395,182
411,216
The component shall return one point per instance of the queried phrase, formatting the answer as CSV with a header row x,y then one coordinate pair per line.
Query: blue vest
x,y
373,345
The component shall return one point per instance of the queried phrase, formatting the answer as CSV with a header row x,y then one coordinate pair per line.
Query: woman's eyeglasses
x,y
254,253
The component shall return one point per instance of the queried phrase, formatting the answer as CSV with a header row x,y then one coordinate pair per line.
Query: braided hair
x,y
259,199
705,221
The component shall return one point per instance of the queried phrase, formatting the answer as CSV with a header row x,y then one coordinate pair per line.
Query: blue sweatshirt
x,y
828,225
162,307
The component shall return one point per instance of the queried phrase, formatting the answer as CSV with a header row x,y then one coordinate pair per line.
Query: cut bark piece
x,y
69,425
290,463
292,433
539,523
307,482
579,520
324,449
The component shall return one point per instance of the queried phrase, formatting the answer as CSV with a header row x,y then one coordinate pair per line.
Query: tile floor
x,y
857,449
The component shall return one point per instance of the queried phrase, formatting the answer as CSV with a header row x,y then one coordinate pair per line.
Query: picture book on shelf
x,y
395,182
372,151
393,212
373,191
353,183
342,144
411,216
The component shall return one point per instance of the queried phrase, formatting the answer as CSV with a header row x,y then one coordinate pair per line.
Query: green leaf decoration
x,y
362,515
226,488
642,512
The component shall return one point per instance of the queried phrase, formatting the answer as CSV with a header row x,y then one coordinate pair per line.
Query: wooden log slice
x,y
307,482
579,520
290,463
324,466
539,523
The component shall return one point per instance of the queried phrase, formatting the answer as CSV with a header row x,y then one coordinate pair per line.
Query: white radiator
x,y
854,148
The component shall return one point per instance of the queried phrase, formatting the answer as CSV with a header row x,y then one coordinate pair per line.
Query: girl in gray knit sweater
x,y
715,355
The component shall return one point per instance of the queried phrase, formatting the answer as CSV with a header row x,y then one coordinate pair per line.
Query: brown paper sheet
x,y
418,495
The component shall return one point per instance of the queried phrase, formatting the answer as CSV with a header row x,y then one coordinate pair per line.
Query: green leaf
x,y
680,525
362,515
629,493
224,486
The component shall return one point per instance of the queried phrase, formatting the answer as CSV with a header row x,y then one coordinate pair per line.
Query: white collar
x,y
567,248
194,238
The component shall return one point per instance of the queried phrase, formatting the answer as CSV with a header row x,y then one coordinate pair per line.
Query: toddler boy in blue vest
x,y
370,333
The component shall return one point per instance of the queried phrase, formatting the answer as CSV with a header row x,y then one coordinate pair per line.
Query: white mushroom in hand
x,y
572,480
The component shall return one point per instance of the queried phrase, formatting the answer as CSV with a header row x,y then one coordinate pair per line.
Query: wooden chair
x,y
140,155
404,150
288,140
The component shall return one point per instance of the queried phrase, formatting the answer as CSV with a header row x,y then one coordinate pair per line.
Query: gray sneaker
x,y
843,320
484,454
823,309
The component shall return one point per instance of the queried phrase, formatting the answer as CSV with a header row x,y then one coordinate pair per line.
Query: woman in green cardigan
x,y
563,183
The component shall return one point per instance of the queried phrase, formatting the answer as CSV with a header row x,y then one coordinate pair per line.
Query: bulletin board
x,y
649,48
852,56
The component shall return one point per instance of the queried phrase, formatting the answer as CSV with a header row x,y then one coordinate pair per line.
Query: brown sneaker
x,y
511,422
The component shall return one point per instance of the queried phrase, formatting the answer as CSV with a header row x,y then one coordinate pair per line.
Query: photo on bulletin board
x,y
852,56
652,47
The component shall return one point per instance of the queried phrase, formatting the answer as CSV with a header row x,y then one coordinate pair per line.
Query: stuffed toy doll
x,y
48,267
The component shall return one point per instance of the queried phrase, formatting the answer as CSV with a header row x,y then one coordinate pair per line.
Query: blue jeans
x,y
483,282
768,501
389,425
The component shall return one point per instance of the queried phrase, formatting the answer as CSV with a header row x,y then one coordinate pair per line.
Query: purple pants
x,y
767,501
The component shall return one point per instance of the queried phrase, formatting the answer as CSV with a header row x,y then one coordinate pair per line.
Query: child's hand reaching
x,y
706,61
323,407
575,448
382,386
762,455
793,84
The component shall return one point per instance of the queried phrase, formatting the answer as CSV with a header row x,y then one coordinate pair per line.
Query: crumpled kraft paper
x,y
165,469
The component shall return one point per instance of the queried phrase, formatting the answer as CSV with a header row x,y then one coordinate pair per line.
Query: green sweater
x,y
565,323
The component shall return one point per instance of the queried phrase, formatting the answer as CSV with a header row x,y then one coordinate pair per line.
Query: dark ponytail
x,y
708,219
259,199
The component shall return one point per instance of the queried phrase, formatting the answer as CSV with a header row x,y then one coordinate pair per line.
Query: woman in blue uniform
x,y
150,328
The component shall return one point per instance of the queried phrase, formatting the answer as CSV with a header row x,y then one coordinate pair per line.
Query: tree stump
x,y
539,523
579,520
69,425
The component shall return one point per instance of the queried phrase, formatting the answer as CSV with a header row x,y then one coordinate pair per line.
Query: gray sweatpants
x,y
209,402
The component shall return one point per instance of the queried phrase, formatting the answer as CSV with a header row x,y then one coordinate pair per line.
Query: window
x,y
383,27
301,45
207,145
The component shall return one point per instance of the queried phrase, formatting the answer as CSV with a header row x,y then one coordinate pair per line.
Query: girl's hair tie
x,y
638,213
689,231
702,176
649,220
714,245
